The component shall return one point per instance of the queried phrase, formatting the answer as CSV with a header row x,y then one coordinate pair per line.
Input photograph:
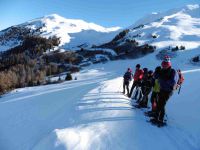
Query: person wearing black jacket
x,y
127,78
147,85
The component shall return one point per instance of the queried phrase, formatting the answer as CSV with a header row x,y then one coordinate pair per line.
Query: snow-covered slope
x,y
154,16
172,28
72,32
91,113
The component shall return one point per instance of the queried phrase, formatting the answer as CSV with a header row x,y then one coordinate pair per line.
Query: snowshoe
x,y
161,124
150,114
157,123
138,101
125,94
143,106
136,105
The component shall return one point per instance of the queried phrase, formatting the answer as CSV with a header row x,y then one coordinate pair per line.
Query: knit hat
x,y
166,63
150,72
137,66
129,70
145,70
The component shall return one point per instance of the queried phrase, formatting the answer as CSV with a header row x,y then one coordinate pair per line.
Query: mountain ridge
x,y
178,27
70,31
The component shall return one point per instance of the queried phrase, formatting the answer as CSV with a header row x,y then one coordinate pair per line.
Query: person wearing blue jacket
x,y
167,82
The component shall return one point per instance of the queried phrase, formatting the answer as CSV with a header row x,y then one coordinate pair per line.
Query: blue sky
x,y
107,13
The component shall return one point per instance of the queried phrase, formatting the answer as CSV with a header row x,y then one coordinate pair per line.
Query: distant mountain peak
x,y
53,16
191,9
178,27
72,32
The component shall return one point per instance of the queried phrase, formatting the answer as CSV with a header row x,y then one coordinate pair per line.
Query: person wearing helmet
x,y
127,78
167,81
137,79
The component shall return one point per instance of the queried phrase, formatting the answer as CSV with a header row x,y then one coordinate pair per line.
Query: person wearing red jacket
x,y
137,79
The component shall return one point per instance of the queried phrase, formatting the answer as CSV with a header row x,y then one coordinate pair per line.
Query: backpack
x,y
180,77
156,86
167,79
180,80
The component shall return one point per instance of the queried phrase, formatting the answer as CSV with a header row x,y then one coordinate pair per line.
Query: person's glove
x,y
177,86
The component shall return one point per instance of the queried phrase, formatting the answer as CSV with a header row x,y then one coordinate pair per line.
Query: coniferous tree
x,y
68,77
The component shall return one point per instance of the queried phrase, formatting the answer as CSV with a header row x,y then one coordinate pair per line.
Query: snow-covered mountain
x,y
177,27
72,32
173,28
91,112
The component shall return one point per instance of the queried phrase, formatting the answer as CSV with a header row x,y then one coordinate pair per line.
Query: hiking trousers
x,y
146,92
126,86
163,98
135,84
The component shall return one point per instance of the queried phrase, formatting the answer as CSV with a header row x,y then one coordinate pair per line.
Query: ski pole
x,y
179,90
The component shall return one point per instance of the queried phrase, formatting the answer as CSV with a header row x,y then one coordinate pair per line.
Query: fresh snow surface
x,y
173,28
92,113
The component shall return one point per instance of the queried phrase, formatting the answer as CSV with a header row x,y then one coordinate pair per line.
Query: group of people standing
x,y
160,83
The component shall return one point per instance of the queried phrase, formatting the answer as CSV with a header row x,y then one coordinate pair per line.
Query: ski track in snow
x,y
190,71
91,113
52,91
